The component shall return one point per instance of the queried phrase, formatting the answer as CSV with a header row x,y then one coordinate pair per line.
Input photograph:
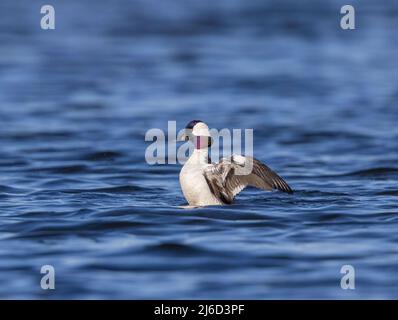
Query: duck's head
x,y
198,133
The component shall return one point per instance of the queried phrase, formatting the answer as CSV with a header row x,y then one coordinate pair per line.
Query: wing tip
x,y
284,187
289,191
286,190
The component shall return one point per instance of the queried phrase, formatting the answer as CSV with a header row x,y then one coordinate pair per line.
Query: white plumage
x,y
205,184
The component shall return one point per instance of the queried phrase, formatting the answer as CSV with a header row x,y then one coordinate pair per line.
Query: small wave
x,y
13,163
388,193
321,136
118,189
44,135
112,190
63,227
373,172
63,169
102,156
11,190
318,193
175,248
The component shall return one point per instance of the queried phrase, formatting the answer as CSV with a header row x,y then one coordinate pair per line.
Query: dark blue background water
x,y
76,192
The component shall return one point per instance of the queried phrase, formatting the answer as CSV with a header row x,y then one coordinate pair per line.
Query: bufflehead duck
x,y
204,183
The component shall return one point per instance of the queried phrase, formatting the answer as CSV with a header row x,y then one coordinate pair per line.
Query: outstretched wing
x,y
231,175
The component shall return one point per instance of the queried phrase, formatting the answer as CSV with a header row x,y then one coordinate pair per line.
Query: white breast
x,y
195,188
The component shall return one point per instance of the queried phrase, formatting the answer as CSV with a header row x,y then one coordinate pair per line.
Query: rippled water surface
x,y
76,192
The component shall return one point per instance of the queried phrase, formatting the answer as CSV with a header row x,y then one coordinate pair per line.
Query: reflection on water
x,y
76,193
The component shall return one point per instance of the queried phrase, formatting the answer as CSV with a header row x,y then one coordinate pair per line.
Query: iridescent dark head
x,y
198,132
192,124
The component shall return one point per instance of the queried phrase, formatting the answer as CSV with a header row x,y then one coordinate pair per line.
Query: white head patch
x,y
201,129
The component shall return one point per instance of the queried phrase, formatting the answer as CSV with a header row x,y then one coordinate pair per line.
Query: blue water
x,y
77,194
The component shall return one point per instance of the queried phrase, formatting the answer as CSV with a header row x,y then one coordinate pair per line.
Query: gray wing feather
x,y
231,175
